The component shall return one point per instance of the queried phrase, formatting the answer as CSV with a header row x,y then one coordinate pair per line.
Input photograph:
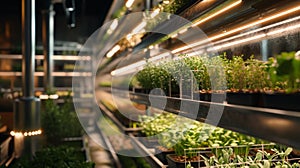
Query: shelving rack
x,y
56,58
280,126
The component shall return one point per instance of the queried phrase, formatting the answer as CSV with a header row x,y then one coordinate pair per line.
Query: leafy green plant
x,y
60,156
174,6
59,121
153,76
154,125
284,72
248,75
227,157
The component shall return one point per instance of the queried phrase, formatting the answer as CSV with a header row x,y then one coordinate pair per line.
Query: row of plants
x,y
227,157
175,134
238,80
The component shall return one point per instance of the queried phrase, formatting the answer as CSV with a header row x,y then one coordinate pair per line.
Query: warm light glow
x,y
113,51
235,30
128,36
54,96
174,35
260,21
27,133
160,56
183,31
155,13
260,29
151,47
128,68
217,13
274,32
138,65
166,2
44,97
237,42
138,28
129,3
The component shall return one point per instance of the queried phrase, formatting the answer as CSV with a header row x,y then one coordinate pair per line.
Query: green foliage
x,y
215,73
154,125
179,133
61,156
227,157
284,71
154,76
174,5
246,75
59,122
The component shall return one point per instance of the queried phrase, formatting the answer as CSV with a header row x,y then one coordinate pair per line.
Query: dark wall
x,y
90,15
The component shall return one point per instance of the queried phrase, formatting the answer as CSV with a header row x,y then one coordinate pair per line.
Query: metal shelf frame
x,y
151,158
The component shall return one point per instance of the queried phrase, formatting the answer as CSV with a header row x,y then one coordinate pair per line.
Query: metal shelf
x,y
116,121
138,146
41,57
150,157
279,126
57,74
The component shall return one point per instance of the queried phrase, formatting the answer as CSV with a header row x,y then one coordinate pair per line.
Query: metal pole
x,y
27,108
264,49
48,44
28,46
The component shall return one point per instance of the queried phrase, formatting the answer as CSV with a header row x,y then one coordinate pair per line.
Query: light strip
x,y
237,42
139,64
271,33
40,57
53,73
114,25
155,13
217,13
259,29
45,97
274,32
138,28
206,18
27,133
289,11
127,68
286,12
113,51
160,56
129,3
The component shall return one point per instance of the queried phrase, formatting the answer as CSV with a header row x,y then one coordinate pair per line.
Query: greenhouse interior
x,y
150,83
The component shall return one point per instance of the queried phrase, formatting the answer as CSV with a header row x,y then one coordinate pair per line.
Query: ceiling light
x,y
138,28
129,3
113,51
206,18
155,13
114,25
235,30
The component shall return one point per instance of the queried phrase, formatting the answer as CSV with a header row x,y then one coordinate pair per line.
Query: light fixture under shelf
x,y
249,25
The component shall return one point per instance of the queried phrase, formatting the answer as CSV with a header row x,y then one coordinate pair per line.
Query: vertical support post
x,y
27,108
28,46
48,44
264,49
148,5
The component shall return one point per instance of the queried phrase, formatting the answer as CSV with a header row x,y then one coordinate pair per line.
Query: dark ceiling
x,y
90,15
83,7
